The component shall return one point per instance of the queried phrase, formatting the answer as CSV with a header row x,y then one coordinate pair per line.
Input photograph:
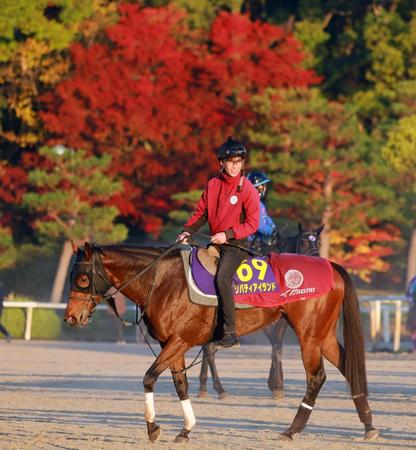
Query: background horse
x,y
161,292
305,242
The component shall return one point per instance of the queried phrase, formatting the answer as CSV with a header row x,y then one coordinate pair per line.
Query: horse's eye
x,y
82,281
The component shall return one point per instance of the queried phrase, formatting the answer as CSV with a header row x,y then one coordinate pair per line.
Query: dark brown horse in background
x,y
162,294
305,242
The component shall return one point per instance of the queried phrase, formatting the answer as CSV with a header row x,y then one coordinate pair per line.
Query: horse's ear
x,y
318,231
74,247
300,227
88,250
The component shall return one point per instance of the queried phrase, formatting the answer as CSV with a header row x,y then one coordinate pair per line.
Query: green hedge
x,y
46,324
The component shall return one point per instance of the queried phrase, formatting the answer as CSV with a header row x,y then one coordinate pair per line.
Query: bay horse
x,y
305,242
161,292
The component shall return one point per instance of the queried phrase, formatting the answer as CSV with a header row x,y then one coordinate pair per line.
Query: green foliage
x,y
200,14
71,197
14,320
46,324
8,250
54,23
400,149
314,39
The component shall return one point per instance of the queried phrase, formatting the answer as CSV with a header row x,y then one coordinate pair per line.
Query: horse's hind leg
x,y
203,374
172,350
275,334
209,360
334,352
315,378
216,382
181,385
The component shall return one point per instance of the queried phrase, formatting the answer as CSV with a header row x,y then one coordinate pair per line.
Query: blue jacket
x,y
266,227
411,290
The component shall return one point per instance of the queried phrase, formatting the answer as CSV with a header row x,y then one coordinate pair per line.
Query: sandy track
x,y
66,395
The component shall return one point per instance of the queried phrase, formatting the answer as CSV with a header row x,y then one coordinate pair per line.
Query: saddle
x,y
259,281
208,257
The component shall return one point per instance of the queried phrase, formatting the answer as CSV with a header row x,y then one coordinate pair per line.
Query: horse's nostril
x,y
70,320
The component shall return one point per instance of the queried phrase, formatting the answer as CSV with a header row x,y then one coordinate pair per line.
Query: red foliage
x,y
13,183
159,100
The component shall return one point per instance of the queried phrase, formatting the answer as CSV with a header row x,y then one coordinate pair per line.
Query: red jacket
x,y
226,209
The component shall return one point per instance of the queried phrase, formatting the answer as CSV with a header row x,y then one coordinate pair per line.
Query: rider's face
x,y
233,166
262,189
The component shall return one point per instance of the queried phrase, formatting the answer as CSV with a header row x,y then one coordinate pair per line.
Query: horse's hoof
x,y
153,432
202,394
182,437
278,394
285,436
371,435
222,396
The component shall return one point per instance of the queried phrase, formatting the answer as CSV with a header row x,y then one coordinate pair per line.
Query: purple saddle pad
x,y
254,276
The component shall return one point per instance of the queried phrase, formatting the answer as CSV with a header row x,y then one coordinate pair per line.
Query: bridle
x,y
313,240
90,278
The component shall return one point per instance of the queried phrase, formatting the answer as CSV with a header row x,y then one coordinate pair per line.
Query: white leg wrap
x,y
188,414
149,407
306,406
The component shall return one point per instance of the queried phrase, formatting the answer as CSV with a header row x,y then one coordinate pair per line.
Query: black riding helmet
x,y
230,149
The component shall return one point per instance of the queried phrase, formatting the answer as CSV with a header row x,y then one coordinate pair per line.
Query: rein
x,y
109,298
231,244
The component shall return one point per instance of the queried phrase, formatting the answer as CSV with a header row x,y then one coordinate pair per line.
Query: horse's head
x,y
308,241
89,283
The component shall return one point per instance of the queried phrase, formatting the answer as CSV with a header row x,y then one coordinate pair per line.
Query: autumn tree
x,y
69,198
34,39
400,152
160,106
322,171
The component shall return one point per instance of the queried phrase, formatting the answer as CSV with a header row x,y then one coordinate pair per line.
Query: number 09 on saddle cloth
x,y
264,282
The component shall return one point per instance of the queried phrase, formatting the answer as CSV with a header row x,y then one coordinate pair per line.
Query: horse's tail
x,y
355,372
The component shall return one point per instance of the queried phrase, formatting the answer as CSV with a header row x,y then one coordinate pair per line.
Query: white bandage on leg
x,y
306,406
149,407
188,414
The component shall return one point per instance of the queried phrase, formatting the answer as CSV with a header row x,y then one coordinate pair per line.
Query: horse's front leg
x,y
173,349
181,385
315,378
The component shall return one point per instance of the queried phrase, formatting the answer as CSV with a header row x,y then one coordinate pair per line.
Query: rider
x,y
267,227
231,205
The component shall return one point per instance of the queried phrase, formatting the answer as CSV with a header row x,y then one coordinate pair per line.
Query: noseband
x,y
89,277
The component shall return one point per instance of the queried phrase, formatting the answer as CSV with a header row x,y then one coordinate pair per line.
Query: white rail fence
x,y
380,311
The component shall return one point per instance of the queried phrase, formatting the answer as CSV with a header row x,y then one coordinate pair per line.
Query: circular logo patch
x,y
293,279
233,199
82,281
312,238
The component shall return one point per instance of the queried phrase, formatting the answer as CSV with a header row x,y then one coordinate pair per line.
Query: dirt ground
x,y
67,395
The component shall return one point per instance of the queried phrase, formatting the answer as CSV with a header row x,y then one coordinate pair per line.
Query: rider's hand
x,y
183,237
219,238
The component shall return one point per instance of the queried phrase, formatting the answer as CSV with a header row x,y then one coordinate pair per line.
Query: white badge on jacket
x,y
233,199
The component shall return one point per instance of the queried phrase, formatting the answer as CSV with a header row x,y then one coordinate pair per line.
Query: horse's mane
x,y
131,250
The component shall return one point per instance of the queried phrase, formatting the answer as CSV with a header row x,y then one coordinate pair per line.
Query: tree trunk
x,y
326,219
411,258
61,273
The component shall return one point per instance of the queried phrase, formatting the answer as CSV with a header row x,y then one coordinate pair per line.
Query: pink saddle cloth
x,y
298,277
